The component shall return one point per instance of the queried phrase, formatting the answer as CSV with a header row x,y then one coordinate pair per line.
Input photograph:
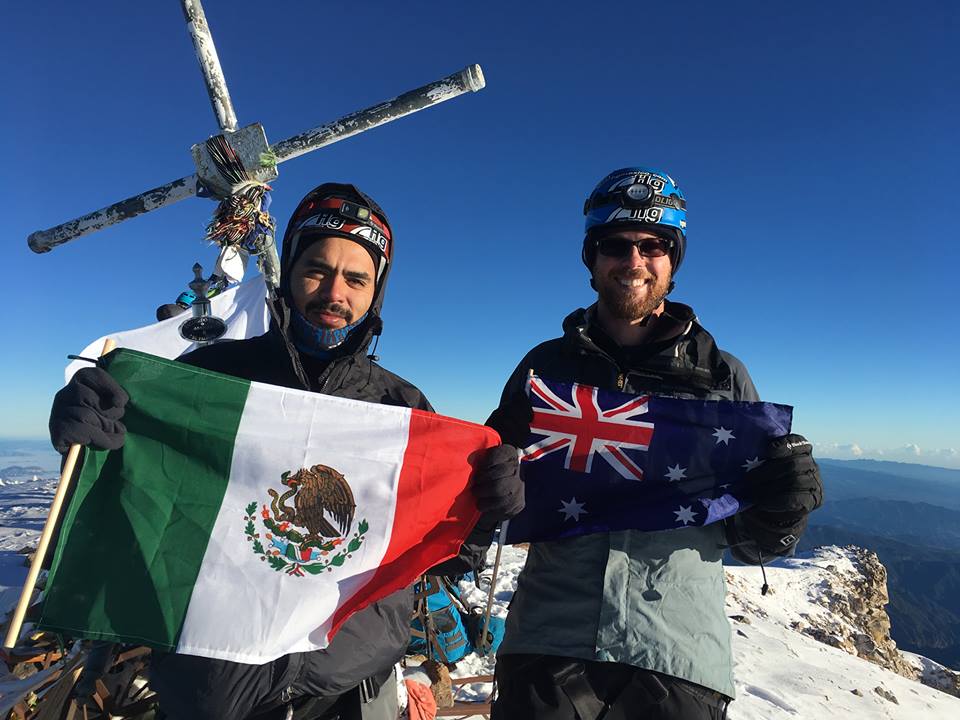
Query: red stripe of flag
x,y
435,509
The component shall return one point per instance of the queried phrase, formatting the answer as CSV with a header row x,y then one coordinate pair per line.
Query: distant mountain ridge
x,y
848,480
903,469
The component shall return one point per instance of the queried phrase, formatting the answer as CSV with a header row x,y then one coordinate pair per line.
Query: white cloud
x,y
836,450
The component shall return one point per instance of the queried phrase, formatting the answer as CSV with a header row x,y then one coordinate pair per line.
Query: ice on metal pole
x,y
210,64
470,79
45,240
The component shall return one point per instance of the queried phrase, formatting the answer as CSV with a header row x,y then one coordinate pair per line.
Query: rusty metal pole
x,y
469,79
210,65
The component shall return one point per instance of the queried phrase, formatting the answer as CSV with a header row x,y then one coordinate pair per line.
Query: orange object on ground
x,y
421,704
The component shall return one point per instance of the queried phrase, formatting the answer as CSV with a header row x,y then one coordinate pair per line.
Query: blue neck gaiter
x,y
316,341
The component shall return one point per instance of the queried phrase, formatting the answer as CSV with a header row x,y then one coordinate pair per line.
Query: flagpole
x,y
16,622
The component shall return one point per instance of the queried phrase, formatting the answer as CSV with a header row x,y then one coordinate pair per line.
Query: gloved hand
x,y
788,480
512,420
784,490
496,484
87,412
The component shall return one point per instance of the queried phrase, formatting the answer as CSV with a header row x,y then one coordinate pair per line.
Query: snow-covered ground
x,y
25,493
780,673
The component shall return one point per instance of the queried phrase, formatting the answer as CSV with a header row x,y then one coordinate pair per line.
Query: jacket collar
x,y
677,349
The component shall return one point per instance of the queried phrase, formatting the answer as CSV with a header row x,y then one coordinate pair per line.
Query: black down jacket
x,y
370,642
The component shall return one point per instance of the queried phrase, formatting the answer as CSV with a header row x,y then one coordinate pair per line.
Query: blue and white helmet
x,y
637,196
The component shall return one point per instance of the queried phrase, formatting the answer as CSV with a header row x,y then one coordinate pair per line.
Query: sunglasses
x,y
618,247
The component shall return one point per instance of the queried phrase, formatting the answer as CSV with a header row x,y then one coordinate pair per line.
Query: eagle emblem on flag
x,y
583,427
313,535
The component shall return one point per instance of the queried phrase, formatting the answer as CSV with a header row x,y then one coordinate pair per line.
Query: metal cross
x,y
250,142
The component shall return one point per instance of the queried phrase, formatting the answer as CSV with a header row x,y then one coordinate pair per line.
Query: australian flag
x,y
600,460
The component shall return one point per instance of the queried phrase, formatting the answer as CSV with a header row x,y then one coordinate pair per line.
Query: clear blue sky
x,y
816,144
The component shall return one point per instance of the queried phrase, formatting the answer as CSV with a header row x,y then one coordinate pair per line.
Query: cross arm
x,y
469,79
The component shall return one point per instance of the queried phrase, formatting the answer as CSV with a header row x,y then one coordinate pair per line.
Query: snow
x,y
779,672
23,511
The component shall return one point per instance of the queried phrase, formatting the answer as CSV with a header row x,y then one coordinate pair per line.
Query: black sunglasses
x,y
618,247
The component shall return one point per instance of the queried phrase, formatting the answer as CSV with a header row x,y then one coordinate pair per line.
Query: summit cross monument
x,y
249,144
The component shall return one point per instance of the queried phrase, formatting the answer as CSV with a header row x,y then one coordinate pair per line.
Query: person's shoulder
x,y
735,363
743,386
399,390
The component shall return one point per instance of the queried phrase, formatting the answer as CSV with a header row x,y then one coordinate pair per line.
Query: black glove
x,y
497,485
788,479
512,420
87,412
784,490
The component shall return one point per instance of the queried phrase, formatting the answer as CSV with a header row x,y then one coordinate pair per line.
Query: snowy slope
x,y
781,672
24,498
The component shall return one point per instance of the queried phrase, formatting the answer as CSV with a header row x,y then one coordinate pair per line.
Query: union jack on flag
x,y
584,429
589,447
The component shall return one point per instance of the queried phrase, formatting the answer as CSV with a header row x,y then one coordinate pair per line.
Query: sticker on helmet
x,y
327,220
648,215
371,235
654,181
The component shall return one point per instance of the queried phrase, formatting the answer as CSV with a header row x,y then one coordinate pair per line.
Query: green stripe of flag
x,y
149,507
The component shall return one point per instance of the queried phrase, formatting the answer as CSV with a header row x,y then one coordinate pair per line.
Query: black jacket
x,y
371,641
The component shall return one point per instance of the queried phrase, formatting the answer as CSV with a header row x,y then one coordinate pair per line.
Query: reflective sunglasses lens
x,y
652,248
614,247
620,248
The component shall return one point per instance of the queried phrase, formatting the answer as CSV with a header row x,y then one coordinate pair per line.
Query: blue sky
x,y
816,144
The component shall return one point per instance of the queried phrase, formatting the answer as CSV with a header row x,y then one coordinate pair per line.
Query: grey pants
x,y
385,705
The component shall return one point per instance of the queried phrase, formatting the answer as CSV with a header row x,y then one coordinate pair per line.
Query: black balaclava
x,y
339,210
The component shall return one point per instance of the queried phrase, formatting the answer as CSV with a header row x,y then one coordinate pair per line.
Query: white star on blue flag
x,y
572,510
723,435
676,473
685,515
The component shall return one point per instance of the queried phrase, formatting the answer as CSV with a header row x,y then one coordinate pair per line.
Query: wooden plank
x,y
466,710
471,679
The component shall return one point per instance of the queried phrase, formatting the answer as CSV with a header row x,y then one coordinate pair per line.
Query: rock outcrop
x,y
851,588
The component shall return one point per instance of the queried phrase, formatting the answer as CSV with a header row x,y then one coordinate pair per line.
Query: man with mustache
x,y
336,256
631,624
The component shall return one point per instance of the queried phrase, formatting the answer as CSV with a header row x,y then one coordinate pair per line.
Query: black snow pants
x,y
547,687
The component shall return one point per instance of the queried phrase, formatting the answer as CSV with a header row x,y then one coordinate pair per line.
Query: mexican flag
x,y
244,521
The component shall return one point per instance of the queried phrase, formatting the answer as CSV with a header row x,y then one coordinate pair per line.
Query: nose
x,y
634,258
333,288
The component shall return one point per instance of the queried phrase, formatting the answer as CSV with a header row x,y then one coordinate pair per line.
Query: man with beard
x,y
337,253
631,624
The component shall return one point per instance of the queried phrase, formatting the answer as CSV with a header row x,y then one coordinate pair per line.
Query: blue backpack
x,y
454,629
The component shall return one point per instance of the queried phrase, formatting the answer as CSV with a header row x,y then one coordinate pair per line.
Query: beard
x,y
626,303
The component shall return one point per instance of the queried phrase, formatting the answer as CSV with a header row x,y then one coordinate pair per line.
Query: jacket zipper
x,y
621,380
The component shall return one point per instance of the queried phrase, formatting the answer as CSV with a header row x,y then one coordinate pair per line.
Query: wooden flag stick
x,y
16,622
